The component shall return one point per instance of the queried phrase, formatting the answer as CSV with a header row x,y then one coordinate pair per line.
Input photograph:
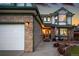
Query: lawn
x,y
74,51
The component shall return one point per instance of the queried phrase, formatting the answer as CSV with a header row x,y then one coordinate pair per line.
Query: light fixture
x,y
27,23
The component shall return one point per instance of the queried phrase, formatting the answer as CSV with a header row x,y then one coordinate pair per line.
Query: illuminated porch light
x,y
43,30
46,31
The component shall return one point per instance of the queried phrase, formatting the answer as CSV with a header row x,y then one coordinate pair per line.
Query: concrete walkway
x,y
44,49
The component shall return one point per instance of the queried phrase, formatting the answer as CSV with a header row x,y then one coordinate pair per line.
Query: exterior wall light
x,y
27,23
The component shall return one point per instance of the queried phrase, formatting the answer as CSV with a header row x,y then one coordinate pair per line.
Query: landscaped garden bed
x,y
67,48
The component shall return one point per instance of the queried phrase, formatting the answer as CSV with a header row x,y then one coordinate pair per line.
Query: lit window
x,y
62,17
56,17
44,18
63,32
48,19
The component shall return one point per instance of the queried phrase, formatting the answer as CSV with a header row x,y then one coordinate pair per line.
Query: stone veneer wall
x,y
37,34
71,34
28,29
52,33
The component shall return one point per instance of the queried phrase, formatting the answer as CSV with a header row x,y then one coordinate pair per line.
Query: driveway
x,y
44,49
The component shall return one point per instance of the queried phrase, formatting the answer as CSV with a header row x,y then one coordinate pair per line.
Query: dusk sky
x,y
46,8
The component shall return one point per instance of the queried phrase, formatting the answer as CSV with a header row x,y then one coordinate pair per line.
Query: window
x,y
28,4
6,4
63,32
53,20
62,23
20,4
62,17
44,18
47,19
69,20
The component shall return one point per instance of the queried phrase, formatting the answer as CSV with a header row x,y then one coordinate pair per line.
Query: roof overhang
x,y
21,10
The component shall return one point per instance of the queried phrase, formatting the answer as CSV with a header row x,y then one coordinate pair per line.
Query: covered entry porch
x,y
62,33
58,33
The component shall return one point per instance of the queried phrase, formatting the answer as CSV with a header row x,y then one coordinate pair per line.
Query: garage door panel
x,y
12,37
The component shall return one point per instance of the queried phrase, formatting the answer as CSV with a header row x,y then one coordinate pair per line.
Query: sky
x,y
47,8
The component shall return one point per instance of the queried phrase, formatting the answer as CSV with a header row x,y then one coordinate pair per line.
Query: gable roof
x,y
62,8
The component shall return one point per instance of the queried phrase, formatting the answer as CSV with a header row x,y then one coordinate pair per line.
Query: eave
x,y
21,10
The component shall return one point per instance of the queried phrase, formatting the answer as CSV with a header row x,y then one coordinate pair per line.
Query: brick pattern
x,y
28,29
29,36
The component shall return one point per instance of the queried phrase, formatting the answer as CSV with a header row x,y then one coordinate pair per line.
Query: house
x,y
58,25
20,27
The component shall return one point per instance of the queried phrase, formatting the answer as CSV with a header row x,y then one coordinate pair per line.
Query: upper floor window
x,y
28,4
69,20
44,18
53,20
62,17
24,4
47,19
20,4
6,4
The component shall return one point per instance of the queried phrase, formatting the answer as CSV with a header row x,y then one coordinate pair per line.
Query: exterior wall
x,y
71,34
29,35
37,34
52,33
28,43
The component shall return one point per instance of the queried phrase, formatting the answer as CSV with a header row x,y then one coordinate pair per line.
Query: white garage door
x,y
11,37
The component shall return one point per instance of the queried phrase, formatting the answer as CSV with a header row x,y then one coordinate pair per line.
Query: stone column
x,y
29,35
